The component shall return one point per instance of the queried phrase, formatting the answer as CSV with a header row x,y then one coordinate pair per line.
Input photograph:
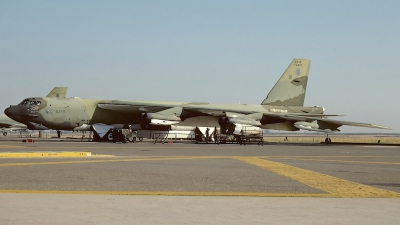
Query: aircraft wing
x,y
322,124
5,125
13,126
354,124
132,108
194,109
304,121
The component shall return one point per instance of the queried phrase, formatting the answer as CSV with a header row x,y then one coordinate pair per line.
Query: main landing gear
x,y
59,133
327,139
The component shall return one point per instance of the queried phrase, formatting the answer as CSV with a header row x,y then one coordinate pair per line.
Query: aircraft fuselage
x,y
72,113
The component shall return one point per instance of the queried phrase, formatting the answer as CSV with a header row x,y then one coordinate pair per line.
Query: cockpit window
x,y
30,102
24,102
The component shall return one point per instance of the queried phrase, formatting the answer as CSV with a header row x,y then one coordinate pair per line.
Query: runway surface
x,y
221,174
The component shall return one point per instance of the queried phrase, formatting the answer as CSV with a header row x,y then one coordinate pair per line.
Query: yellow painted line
x,y
43,154
166,193
333,185
343,161
102,161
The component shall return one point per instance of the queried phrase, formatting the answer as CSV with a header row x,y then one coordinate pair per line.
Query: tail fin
x,y
58,92
290,90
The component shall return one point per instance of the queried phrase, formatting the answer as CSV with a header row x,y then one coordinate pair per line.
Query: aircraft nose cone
x,y
13,112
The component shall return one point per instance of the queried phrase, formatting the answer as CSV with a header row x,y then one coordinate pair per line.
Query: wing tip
x,y
381,127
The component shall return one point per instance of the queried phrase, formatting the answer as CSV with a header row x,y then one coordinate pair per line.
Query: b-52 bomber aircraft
x,y
282,109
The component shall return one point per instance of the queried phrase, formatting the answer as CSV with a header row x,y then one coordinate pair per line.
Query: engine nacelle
x,y
158,120
224,121
234,125
244,121
83,127
306,125
157,116
163,122
182,128
230,128
314,127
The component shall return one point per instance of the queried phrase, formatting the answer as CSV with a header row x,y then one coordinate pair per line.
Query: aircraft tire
x,y
4,133
327,141
109,137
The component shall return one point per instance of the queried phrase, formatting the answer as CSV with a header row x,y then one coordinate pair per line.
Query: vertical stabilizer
x,y
290,90
58,92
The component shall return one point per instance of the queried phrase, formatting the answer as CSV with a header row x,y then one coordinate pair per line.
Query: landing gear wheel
x,y
110,137
327,141
5,133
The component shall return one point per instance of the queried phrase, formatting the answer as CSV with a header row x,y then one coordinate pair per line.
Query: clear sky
x,y
212,51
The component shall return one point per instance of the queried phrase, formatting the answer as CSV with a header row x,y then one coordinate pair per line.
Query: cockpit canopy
x,y
30,101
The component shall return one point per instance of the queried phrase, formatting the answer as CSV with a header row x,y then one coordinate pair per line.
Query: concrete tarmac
x,y
184,183
22,209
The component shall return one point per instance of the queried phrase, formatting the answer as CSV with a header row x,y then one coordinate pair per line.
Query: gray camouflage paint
x,y
280,110
290,90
